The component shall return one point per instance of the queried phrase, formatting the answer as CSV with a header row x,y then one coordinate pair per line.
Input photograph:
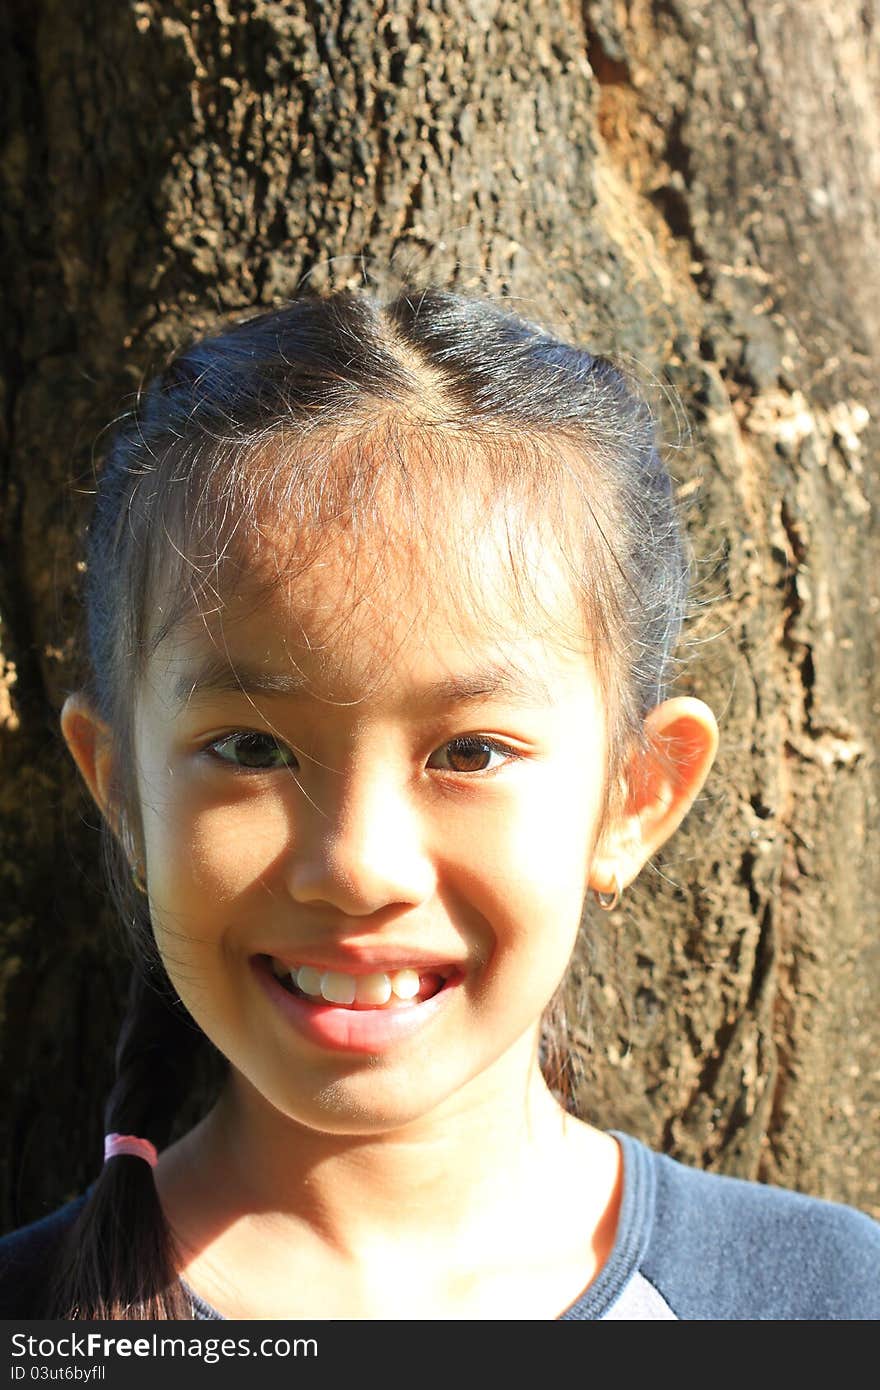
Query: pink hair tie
x,y
130,1144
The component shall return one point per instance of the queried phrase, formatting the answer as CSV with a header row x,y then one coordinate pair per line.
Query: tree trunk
x,y
689,183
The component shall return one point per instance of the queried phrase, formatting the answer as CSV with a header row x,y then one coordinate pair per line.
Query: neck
x,y
497,1176
496,1137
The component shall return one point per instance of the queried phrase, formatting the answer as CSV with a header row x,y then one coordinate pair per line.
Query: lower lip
x,y
351,1030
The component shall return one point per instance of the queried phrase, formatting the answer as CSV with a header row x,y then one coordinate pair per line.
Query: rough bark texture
x,y
690,183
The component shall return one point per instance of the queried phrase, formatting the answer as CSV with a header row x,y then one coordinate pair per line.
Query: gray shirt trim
x,y
640,1302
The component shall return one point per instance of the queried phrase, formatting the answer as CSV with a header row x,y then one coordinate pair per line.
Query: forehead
x,y
481,595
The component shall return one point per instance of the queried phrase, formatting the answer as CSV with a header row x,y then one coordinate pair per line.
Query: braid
x,y
118,1260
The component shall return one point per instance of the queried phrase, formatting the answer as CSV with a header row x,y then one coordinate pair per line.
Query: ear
x,y
663,783
90,741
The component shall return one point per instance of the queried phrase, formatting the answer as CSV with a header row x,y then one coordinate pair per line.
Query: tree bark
x,y
691,184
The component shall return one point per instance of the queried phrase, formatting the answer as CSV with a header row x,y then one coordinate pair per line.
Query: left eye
x,y
470,755
259,752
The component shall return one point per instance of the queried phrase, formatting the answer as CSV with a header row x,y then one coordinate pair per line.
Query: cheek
x,y
210,851
528,859
560,822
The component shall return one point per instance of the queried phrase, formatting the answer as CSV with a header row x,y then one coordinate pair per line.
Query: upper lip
x,y
354,961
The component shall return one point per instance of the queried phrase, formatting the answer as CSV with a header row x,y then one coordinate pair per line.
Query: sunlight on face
x,y
387,756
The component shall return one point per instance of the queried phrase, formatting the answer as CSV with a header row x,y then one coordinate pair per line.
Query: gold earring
x,y
138,879
609,901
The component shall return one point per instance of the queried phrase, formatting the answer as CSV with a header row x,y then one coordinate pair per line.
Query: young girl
x,y
382,600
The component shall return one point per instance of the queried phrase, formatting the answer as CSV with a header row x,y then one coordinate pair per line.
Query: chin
x,y
351,1111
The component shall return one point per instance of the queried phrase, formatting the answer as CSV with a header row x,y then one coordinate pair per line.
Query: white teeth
x,y
373,989
308,979
338,988
405,983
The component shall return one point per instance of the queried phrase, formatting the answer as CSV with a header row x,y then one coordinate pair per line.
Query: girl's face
x,y
357,771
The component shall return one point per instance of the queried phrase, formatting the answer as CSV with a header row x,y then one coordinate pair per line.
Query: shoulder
x,y
27,1260
724,1248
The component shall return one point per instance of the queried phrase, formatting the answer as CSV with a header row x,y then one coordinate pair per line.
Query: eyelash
x,y
465,744
477,741
270,744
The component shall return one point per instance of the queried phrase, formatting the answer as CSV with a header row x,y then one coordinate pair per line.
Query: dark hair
x,y
311,411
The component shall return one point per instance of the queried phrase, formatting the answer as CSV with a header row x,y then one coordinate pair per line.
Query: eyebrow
x,y
220,675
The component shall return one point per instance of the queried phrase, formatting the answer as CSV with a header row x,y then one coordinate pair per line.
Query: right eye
x,y
253,751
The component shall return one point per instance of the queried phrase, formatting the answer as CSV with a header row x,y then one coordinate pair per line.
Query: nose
x,y
359,848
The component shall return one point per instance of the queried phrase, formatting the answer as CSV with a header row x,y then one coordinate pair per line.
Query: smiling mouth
x,y
379,989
